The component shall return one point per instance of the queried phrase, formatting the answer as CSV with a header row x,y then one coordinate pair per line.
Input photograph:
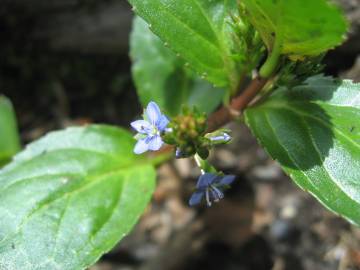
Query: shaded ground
x,y
265,222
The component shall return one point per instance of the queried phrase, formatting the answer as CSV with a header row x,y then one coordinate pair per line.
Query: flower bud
x,y
220,136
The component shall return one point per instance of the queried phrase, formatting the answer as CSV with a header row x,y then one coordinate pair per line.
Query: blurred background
x,y
65,62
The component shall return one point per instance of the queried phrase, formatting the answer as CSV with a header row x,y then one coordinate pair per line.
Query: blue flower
x,y
150,129
211,186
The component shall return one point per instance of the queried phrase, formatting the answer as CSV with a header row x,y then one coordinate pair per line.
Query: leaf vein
x,y
321,121
40,206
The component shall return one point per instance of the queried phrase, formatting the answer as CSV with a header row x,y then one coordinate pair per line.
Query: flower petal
x,y
140,136
162,123
155,143
205,180
153,112
196,198
227,180
141,126
141,147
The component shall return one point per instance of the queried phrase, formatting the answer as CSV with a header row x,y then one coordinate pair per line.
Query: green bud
x,y
220,136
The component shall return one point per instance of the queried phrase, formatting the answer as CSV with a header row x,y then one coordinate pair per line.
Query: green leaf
x,y
305,28
69,197
160,75
197,30
9,136
313,131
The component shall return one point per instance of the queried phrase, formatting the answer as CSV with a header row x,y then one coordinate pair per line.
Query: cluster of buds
x,y
188,133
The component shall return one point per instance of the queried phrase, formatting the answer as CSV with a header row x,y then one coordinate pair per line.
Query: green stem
x,y
204,165
272,61
199,162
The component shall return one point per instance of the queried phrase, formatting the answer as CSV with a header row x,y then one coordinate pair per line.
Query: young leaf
x,y
9,136
161,76
69,197
197,30
305,28
313,131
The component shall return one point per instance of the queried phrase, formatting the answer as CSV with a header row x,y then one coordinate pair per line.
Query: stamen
x,y
215,195
218,192
207,197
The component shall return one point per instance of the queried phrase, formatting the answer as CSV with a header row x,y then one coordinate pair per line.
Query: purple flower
x,y
211,186
150,129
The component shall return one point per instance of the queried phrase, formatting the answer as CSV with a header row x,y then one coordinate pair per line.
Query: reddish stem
x,y
238,104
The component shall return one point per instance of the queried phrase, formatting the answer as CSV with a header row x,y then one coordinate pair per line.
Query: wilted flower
x,y
211,186
150,129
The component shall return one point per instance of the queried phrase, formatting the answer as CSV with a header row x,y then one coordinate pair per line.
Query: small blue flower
x,y
211,186
150,129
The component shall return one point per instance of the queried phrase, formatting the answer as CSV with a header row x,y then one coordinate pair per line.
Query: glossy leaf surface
x,y
69,197
162,77
199,31
313,131
305,28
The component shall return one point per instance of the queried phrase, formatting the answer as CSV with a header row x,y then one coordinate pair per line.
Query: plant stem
x,y
272,61
238,104
198,161
226,114
204,165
